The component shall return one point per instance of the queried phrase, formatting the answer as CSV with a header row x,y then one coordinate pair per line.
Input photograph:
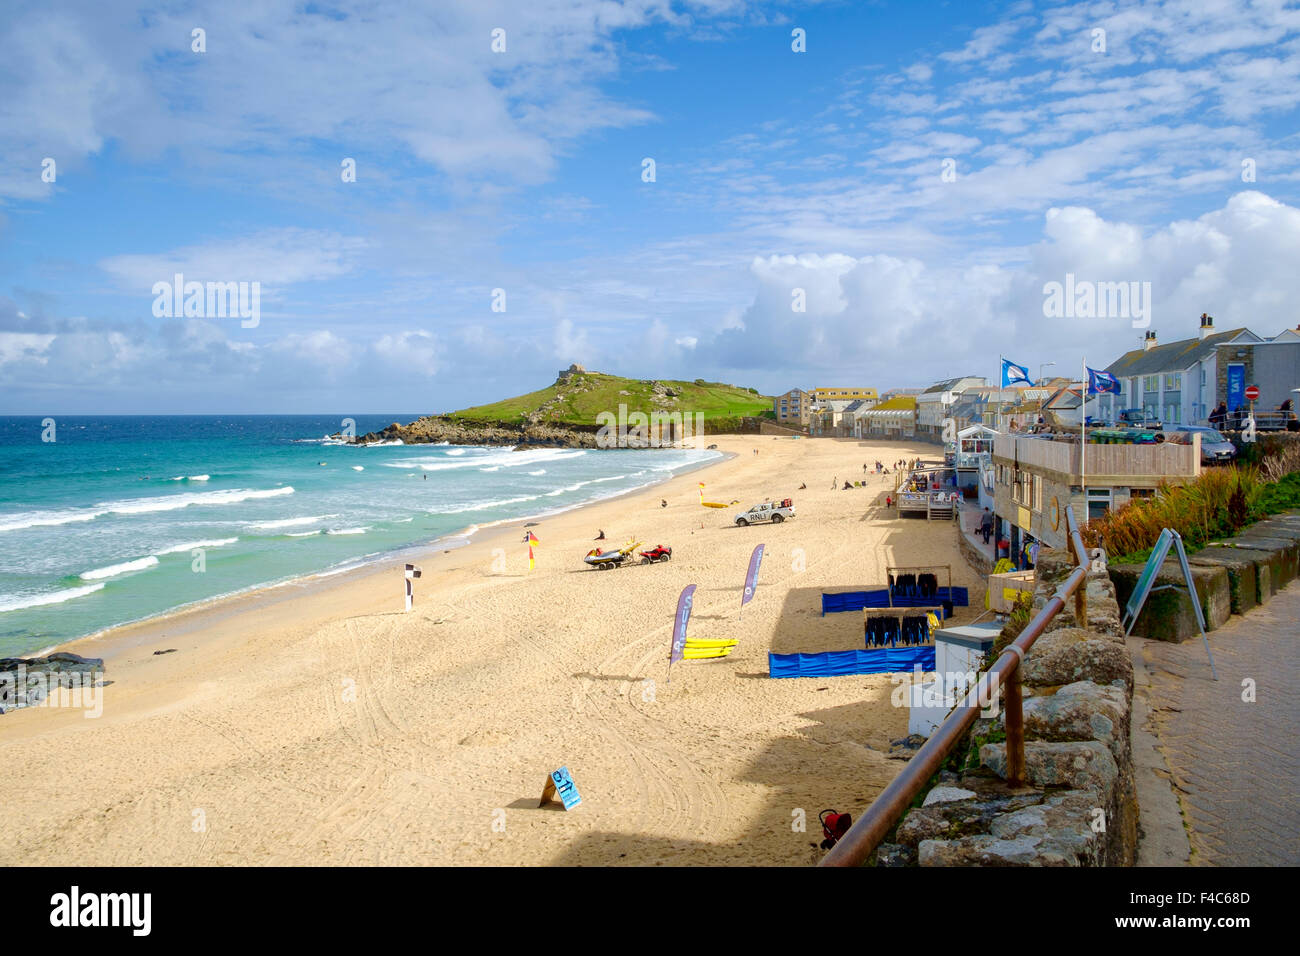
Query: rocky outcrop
x,y
460,431
27,681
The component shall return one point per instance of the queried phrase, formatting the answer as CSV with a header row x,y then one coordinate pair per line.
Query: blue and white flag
x,y
1102,383
1013,374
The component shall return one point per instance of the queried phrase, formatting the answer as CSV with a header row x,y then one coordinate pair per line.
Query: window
x,y
1038,493
1174,380
1141,492
1098,502
1151,383
1173,413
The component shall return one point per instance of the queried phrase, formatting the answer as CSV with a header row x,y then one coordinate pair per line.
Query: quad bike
x,y
656,554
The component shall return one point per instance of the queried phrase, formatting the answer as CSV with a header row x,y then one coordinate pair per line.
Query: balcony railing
x,y
1120,461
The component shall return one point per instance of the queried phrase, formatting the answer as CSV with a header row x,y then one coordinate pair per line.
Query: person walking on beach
x,y
986,525
835,482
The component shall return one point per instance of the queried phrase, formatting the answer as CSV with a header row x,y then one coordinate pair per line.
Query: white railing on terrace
x,y
1164,460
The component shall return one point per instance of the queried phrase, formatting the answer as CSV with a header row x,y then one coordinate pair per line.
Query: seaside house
x,y
893,418
1037,477
1177,383
792,408
828,418
1000,408
822,395
1271,365
935,404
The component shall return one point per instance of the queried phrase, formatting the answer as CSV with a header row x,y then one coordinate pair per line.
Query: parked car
x,y
774,511
1136,418
1215,447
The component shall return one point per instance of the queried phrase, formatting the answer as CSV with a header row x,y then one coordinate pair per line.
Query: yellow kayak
x,y
705,653
708,642
714,504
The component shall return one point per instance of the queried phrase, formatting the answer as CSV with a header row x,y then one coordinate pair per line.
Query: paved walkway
x,y
969,515
1234,764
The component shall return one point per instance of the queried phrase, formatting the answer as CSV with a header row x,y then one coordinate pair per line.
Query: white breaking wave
x,y
190,478
481,505
113,570
506,458
38,600
178,548
302,534
358,467
17,521
576,485
456,451
347,530
493,468
288,522
186,499
136,506
540,471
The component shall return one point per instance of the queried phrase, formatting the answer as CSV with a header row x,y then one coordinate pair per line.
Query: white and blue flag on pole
x,y
1013,374
1102,383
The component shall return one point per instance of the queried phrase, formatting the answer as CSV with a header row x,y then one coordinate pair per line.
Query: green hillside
x,y
579,396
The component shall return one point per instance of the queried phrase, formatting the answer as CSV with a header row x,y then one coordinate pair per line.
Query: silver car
x,y
1215,448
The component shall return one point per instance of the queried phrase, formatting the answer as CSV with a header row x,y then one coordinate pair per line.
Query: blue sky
x,y
775,170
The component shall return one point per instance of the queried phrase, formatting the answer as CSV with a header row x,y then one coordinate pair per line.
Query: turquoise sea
x,y
101,526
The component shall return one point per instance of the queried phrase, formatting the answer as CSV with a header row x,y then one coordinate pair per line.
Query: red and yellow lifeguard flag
x,y
532,540
701,492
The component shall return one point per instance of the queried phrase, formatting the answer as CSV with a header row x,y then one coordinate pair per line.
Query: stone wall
x,y
1080,805
1231,577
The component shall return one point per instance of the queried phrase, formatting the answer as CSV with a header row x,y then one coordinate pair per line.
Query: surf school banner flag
x,y
751,579
532,540
1102,383
679,625
1013,374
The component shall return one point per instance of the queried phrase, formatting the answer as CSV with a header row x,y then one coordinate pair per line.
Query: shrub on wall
x,y
1215,505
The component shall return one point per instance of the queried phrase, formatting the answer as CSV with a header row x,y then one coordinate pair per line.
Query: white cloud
x,y
913,321
276,257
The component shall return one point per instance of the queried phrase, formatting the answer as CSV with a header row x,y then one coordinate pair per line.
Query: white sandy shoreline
x,y
251,597
319,724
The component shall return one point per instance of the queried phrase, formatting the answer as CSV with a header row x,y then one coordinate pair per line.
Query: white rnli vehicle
x,y
773,511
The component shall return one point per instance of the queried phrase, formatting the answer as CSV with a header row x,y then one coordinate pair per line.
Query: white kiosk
x,y
959,654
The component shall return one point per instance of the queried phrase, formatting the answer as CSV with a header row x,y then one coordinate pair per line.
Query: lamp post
x,y
1040,371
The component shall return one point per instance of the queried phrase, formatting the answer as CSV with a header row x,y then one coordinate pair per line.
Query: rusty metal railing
x,y
867,832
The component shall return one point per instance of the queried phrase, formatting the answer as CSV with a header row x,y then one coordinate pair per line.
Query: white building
x,y
1175,383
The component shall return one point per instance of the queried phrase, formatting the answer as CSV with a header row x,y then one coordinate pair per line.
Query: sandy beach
x,y
318,724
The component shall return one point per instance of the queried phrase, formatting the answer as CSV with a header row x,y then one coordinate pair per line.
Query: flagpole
x,y
1083,442
1002,360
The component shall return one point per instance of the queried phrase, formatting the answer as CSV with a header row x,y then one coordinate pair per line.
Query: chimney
x,y
1207,325
1149,340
